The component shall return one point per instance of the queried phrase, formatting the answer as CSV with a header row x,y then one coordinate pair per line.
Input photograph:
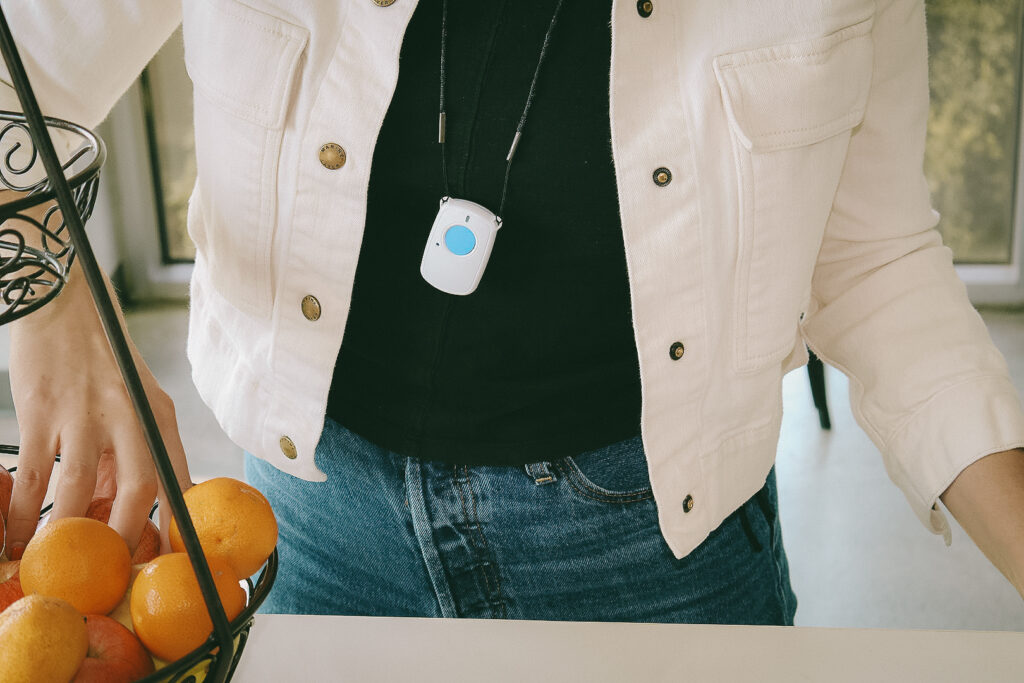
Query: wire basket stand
x,y
33,272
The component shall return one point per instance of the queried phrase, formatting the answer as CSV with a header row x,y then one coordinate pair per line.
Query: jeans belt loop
x,y
541,472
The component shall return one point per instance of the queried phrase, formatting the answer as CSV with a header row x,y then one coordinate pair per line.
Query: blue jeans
x,y
574,539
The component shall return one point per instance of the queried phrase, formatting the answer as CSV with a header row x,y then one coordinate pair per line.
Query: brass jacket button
x,y
310,307
383,3
687,503
288,448
676,351
644,8
332,156
662,176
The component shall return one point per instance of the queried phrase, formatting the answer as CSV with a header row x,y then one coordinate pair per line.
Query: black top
x,y
540,361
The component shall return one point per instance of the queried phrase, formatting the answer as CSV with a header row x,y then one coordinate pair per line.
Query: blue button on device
x,y
460,240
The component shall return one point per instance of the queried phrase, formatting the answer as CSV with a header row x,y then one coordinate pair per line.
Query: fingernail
x,y
16,550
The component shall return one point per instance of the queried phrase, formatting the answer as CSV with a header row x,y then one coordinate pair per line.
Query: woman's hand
x,y
70,399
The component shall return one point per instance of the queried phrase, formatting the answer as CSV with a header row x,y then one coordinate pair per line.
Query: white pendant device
x,y
463,233
459,246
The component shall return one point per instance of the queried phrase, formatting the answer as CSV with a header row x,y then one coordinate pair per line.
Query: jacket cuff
x,y
955,428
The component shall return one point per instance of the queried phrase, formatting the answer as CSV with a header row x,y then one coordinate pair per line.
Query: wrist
x,y
73,306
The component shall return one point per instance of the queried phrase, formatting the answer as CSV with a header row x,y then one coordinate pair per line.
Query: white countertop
x,y
308,648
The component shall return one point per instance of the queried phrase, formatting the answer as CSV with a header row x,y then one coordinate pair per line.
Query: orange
x,y
80,560
44,639
233,521
168,612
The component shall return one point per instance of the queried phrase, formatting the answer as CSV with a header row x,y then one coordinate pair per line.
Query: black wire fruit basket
x,y
194,667
36,255
32,272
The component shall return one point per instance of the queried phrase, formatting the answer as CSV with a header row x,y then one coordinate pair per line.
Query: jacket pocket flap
x,y
242,59
798,93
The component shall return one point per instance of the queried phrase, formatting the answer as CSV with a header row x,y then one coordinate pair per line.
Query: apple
x,y
9,569
99,508
10,588
115,655
148,546
6,486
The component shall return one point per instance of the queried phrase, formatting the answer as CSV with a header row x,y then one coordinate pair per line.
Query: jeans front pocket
x,y
616,473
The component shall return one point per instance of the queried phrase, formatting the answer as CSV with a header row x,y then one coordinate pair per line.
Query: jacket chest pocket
x,y
791,109
243,64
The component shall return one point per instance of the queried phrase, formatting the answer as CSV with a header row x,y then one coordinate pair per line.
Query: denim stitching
x,y
465,512
574,470
490,558
620,498
533,474
475,522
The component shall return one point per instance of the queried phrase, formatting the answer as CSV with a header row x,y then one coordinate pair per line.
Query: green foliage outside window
x,y
971,157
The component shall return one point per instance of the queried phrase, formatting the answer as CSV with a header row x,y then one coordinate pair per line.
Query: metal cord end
x,y
440,127
512,149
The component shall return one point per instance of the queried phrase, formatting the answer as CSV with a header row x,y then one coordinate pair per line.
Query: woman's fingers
x,y
35,464
76,479
136,485
176,452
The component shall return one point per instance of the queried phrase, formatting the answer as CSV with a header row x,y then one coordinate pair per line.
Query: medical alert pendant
x,y
463,233
459,246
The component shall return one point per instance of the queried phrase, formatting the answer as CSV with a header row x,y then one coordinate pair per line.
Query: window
x,y
972,158
973,150
167,105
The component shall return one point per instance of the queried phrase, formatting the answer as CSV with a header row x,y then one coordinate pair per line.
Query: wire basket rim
x,y
74,181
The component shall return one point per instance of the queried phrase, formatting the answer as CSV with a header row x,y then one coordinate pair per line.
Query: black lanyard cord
x,y
522,120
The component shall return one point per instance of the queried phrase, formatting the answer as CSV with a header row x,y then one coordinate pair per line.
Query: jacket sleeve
x,y
81,57
887,307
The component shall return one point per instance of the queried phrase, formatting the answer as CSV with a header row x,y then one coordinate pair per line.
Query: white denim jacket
x,y
797,212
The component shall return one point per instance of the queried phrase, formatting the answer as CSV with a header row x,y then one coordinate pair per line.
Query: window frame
x,y
146,276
